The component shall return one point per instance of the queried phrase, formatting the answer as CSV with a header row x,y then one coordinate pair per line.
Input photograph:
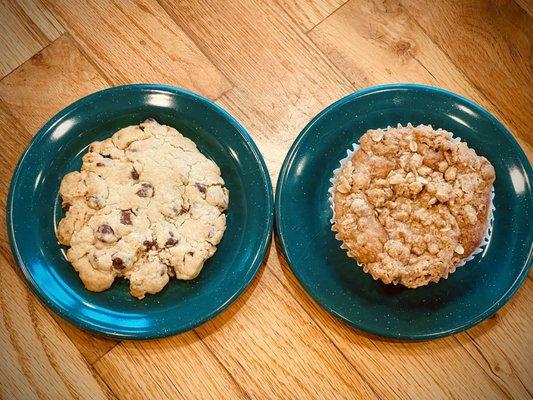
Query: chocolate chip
x,y
141,127
172,242
150,244
125,217
201,187
105,155
184,210
105,230
146,190
162,273
100,164
65,207
134,174
191,253
118,263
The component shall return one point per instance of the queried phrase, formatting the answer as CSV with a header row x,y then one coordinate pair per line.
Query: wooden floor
x,y
273,65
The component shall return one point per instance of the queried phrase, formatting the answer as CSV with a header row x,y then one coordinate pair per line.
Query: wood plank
x,y
511,363
435,369
24,30
138,42
272,143
14,138
179,367
307,13
527,6
490,42
42,18
48,82
42,86
274,350
386,45
281,79
29,97
38,360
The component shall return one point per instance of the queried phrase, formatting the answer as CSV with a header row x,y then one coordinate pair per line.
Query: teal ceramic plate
x,y
476,290
34,210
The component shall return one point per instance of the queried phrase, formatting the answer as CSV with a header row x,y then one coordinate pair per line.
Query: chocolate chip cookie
x,y
412,204
146,205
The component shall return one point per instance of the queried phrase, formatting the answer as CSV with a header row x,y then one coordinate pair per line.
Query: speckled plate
x,y
34,209
476,290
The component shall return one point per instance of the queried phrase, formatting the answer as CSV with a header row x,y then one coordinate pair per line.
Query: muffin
x,y
412,204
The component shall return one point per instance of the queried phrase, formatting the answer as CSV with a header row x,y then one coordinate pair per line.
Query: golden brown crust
x,y
412,203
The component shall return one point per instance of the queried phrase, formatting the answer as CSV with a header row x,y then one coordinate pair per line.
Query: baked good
x,y
146,205
412,204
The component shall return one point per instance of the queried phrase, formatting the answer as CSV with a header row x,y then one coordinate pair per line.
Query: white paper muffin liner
x,y
484,241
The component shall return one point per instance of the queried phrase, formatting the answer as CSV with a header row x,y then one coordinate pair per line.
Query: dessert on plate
x,y
146,205
412,204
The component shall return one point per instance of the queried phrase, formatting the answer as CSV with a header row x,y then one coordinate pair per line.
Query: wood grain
x,y
508,356
275,350
48,82
273,65
490,42
14,138
25,29
42,18
29,96
307,13
264,341
181,367
527,6
37,360
137,42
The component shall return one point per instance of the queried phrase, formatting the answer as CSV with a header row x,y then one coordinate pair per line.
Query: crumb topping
x,y
412,203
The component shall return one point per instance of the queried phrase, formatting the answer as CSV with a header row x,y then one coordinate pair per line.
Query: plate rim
x,y
281,183
251,273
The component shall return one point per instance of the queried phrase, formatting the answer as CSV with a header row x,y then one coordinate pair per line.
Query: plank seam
x,y
31,299
519,4
198,47
319,326
244,392
327,17
88,57
223,94
345,77
22,64
33,28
